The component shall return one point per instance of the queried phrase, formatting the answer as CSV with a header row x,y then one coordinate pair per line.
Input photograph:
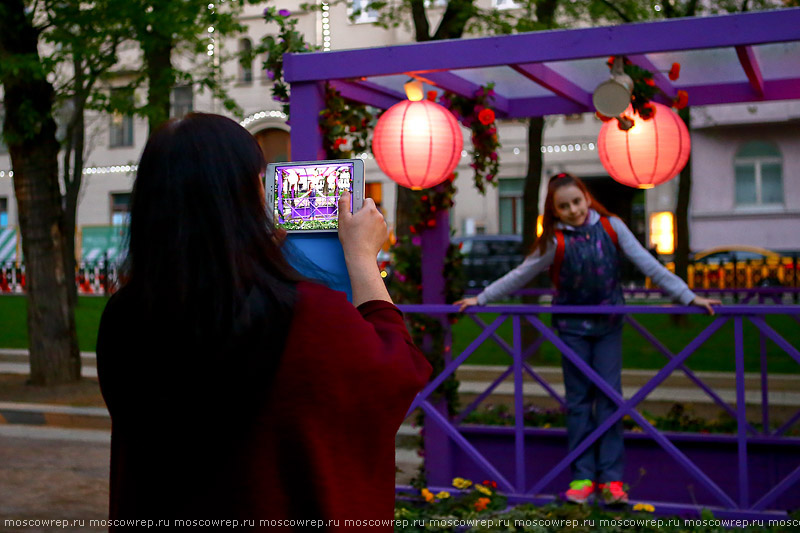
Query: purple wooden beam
x,y
741,414
368,93
519,408
777,490
306,138
460,86
477,401
440,420
451,367
731,93
725,310
747,58
689,33
691,375
661,81
555,82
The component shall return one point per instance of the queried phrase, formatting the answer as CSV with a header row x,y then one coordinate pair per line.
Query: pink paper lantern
x,y
651,152
417,144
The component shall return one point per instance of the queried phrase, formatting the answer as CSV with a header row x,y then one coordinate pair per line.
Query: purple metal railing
x,y
521,489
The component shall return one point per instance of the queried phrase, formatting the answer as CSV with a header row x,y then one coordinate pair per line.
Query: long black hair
x,y
202,251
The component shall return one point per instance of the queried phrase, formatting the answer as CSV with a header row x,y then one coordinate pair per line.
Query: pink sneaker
x,y
580,490
613,492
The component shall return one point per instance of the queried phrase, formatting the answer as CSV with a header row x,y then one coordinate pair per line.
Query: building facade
x,y
745,158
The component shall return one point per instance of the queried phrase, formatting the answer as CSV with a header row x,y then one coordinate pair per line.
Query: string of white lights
x,y
262,114
326,26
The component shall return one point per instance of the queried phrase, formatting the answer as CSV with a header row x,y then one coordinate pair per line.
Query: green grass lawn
x,y
14,316
716,354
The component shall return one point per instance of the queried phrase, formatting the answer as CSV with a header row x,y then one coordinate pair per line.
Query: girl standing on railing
x,y
582,244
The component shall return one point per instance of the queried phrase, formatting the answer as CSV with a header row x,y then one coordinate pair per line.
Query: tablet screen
x,y
307,196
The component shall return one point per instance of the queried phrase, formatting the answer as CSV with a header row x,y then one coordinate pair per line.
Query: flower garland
x,y
345,126
476,114
644,90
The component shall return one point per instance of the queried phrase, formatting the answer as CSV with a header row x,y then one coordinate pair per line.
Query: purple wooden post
x,y
741,409
519,409
434,244
306,103
764,385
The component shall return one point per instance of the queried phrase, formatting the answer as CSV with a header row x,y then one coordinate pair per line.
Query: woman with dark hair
x,y
582,244
224,404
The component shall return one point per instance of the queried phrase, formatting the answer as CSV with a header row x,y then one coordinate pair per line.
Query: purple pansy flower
x,y
284,13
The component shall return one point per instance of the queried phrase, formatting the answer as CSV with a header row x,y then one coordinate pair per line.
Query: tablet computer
x,y
303,196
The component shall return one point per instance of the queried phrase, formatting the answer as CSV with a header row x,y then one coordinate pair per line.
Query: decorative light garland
x,y
326,27
576,147
263,114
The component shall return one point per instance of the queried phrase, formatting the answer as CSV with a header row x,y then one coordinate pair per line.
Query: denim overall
x,y
590,275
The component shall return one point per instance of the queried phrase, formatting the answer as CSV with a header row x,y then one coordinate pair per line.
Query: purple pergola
x,y
725,59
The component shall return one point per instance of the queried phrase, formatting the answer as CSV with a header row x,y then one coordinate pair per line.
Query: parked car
x,y
742,266
732,254
488,257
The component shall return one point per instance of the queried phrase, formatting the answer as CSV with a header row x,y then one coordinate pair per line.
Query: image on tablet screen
x,y
307,196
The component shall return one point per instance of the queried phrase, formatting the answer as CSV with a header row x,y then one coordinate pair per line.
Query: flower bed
x,y
479,508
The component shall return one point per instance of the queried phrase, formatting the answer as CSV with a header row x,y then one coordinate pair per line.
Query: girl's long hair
x,y
202,252
549,217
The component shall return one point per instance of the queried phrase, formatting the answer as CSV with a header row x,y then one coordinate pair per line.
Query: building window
x,y
245,61
511,212
182,101
3,212
120,208
759,175
121,126
360,14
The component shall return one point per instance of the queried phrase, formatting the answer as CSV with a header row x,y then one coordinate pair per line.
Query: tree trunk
x,y
682,211
72,189
530,213
31,135
160,80
682,223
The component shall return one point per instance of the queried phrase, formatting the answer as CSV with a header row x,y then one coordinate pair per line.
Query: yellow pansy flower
x,y
483,490
442,495
461,483
644,507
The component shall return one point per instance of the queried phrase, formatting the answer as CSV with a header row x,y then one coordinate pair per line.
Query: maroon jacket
x,y
315,442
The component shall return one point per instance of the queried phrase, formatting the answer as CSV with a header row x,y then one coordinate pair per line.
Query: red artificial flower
x,y
412,229
681,100
650,82
610,61
482,503
424,198
602,117
486,117
352,128
432,223
675,71
649,111
432,96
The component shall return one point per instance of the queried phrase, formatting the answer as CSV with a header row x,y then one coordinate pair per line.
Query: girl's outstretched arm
x,y
650,267
514,280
